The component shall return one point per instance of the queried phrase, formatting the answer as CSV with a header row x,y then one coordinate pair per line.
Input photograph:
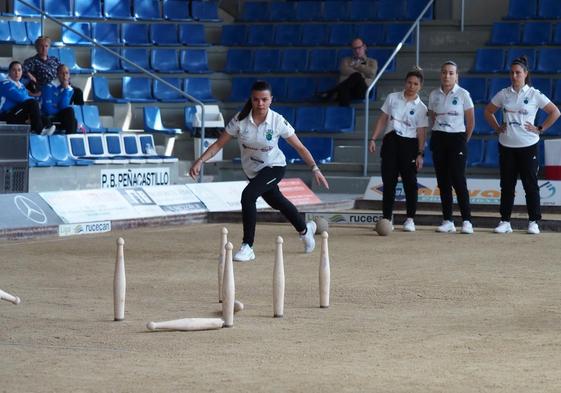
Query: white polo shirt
x,y
519,108
404,116
450,109
259,145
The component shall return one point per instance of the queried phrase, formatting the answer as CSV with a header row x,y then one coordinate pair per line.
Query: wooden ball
x,y
321,225
384,227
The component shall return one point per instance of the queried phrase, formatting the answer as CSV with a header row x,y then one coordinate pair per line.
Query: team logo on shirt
x,y
455,101
412,112
268,134
525,100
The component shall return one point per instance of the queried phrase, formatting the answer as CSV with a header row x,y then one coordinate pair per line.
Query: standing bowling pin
x,y
10,298
119,282
278,281
188,324
228,288
324,272
221,259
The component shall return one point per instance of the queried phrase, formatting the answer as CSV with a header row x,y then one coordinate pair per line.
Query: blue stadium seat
x,y
489,60
475,152
135,34
254,11
60,152
140,56
266,60
314,34
148,150
278,87
294,60
19,9
79,119
557,92
5,35
491,155
194,61
340,34
282,11
88,9
114,149
544,85
339,119
382,56
371,33
395,32
522,9
67,56
310,118
556,40
536,33
128,143
57,8
92,120
163,34
95,144
554,130
325,83
366,10
117,9
549,9
199,88
79,150
164,93
153,122
414,8
300,89
192,34
477,88
176,10
335,10
70,38
287,112
137,89
428,161
106,33
239,60
241,87
308,10
515,52
505,33
101,91
496,85
147,9
322,60
261,34
287,34
392,9
234,35
33,30
18,33
40,151
103,61
321,149
549,60
481,127
164,60
205,11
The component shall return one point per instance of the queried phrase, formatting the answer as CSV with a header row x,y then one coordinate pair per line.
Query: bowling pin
x,y
221,258
119,282
10,298
228,288
324,272
188,324
278,281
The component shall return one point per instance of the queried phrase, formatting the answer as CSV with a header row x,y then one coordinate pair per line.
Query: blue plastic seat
x,y
40,151
117,9
147,9
395,33
339,119
287,34
239,60
199,88
556,39
114,149
102,92
205,11
136,89
308,10
67,56
522,9
278,88
70,38
33,30
371,33
288,112
481,127
103,61
153,122
140,56
335,10
549,60
266,60
557,92
321,149
79,150
106,33
475,152
282,11
505,33
477,88
258,35
88,9
60,152
128,143
516,52
491,155
19,33
392,9
544,85
382,56
536,33
549,9
164,60
496,85
341,34
5,35
300,89
194,61
322,60
310,118
364,10
414,8
164,93
19,9
428,161
241,88
95,144
163,34
148,150
177,10
135,34
314,34
325,83
192,34
489,60
92,120
254,11
233,35
57,8
294,60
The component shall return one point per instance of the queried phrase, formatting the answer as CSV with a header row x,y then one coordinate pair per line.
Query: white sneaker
x,y
467,227
409,225
48,131
308,237
503,227
245,254
533,228
447,226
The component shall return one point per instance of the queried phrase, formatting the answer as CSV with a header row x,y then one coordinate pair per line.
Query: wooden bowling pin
x,y
228,288
221,259
10,298
188,324
278,281
324,272
119,282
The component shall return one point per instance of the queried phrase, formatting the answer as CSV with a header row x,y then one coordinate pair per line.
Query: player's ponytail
x,y
522,61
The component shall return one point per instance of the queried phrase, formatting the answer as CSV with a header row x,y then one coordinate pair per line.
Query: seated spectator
x,y
55,102
17,106
41,69
356,73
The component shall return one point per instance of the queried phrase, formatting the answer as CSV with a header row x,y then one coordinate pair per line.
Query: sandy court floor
x,y
420,312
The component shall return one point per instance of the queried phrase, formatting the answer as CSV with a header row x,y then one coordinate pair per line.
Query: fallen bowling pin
x,y
119,282
187,324
221,259
228,288
11,298
238,306
324,272
278,281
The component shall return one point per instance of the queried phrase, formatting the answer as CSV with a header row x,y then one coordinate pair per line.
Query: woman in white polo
x,y
404,121
518,142
258,129
451,112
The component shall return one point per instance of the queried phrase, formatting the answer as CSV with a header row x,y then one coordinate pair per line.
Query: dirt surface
x,y
421,312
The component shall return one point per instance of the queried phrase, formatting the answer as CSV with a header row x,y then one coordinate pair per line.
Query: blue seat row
x,y
46,151
20,33
534,9
483,128
321,148
136,34
89,120
529,33
483,89
319,118
294,60
355,10
317,34
492,60
175,10
481,153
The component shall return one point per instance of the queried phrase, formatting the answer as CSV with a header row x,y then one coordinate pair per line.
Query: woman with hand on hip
x,y
518,142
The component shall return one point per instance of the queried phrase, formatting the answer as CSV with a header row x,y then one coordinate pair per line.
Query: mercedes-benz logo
x,y
30,209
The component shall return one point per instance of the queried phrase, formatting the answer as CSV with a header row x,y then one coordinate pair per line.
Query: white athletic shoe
x,y
533,228
447,226
308,237
467,227
48,131
503,227
409,225
245,254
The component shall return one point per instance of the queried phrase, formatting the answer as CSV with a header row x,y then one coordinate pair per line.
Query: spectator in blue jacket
x,y
17,106
55,101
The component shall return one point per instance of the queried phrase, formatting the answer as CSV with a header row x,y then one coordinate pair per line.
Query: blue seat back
x,y
23,10
549,60
165,93
164,60
415,7
544,85
522,9
135,34
113,143
147,9
309,118
117,9
88,9
234,35
549,9
475,152
106,33
536,33
57,8
341,34
192,34
294,60
514,53
153,118
254,11
241,89
59,147
199,88
103,61
505,33
371,33
556,40
395,33
91,118
176,10
322,60
381,56
300,89
557,91
339,119
239,60
19,33
130,145
481,127
491,155
79,118
95,145
205,11
278,87
287,34
321,149
147,145
101,90
77,145
392,9
497,84
266,60
163,34
282,11
139,56
5,35
70,38
489,60
314,35
39,148
335,10
261,34
137,88
477,88
288,112
308,10
33,30
194,60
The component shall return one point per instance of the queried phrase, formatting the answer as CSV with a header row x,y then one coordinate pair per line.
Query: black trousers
x,y
352,88
523,162
449,154
399,156
77,97
24,112
265,185
65,121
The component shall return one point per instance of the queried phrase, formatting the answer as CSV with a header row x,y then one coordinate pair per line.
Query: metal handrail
x,y
145,71
398,47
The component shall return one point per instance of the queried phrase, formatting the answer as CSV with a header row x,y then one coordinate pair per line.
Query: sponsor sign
x,y
297,192
552,170
176,199
25,211
134,177
84,228
346,218
223,196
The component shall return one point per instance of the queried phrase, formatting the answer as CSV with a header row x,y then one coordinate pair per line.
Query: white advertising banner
x,y
223,196
176,199
85,228
134,177
481,191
